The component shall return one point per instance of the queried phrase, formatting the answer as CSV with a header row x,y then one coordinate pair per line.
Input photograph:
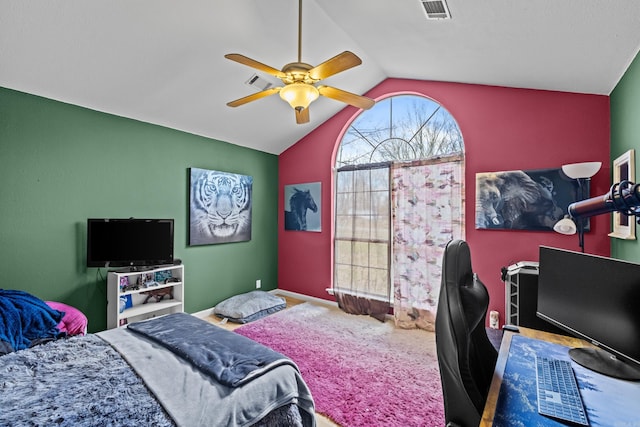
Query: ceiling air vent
x,y
436,9
259,83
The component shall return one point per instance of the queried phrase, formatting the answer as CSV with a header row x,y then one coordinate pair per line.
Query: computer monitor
x,y
595,298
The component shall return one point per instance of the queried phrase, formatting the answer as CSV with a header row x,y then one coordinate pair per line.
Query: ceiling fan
x,y
300,80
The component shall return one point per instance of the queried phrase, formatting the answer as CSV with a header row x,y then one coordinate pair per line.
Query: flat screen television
x,y
114,242
595,298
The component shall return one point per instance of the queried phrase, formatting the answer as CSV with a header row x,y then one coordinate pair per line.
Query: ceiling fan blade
x,y
255,64
254,97
302,116
335,65
346,97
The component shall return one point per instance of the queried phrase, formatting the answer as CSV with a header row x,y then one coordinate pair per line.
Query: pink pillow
x,y
74,321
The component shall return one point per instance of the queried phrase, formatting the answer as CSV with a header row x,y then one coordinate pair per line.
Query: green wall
x,y
625,135
62,164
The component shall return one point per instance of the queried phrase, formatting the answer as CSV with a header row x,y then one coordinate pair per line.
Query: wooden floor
x,y
321,420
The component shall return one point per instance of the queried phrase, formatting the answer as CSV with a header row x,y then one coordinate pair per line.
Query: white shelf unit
x,y
140,310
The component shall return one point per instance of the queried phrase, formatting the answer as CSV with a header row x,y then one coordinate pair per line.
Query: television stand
x,y
128,290
134,269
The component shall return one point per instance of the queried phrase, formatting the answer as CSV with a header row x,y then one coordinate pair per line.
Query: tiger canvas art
x,y
219,207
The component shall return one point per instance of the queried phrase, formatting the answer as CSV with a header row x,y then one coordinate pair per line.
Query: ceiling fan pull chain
x,y
299,30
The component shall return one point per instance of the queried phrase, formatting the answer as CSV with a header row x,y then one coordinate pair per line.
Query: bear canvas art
x,y
523,200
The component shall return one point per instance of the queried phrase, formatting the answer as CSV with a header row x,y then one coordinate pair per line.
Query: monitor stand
x,y
133,269
605,363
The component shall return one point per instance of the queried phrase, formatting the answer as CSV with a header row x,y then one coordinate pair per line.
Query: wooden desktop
x,y
496,382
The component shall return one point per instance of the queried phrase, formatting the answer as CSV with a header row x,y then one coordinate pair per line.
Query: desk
x,y
627,406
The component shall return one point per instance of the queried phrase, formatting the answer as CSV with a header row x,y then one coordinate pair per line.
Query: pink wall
x,y
503,129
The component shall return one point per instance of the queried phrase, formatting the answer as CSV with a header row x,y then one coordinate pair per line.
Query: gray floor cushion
x,y
250,306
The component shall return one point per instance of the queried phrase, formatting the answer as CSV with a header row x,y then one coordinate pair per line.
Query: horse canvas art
x,y
303,210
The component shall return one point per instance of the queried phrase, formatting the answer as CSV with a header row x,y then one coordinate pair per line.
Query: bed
x,y
171,370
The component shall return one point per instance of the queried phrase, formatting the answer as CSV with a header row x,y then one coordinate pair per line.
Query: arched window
x,y
400,128
397,164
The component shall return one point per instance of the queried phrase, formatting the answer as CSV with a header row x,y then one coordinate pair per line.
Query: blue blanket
x,y
230,358
79,382
25,319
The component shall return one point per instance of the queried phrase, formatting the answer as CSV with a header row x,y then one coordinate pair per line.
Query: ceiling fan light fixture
x,y
299,95
300,78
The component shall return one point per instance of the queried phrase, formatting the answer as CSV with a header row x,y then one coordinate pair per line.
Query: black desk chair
x,y
466,357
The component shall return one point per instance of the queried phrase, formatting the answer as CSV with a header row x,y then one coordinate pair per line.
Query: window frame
x,y
456,140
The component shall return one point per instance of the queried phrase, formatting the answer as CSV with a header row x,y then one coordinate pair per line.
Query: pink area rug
x,y
361,372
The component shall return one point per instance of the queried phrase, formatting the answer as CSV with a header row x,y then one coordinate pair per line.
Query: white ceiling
x,y
162,61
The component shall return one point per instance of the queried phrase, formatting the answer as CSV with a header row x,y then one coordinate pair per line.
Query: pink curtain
x,y
428,211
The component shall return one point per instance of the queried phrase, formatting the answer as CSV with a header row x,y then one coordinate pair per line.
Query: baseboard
x,y
209,311
304,297
389,317
203,313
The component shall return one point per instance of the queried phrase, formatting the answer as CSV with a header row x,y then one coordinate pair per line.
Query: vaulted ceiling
x,y
162,61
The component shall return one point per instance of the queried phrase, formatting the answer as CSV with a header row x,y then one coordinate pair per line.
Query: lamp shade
x,y
565,226
581,170
299,95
